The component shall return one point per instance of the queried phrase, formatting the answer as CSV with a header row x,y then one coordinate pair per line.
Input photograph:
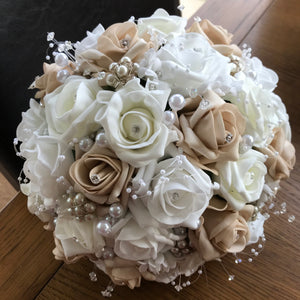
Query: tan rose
x,y
217,36
281,156
122,271
209,133
48,82
120,39
101,176
222,232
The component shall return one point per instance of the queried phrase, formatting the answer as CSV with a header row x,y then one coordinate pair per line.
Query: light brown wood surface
x,y
28,269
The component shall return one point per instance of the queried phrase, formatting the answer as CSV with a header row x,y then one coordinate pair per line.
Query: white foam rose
x,y
242,181
133,123
191,57
162,24
138,243
181,193
88,241
70,109
263,110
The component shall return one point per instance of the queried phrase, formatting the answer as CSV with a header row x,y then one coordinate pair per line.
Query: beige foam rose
x,y
217,36
221,232
281,156
212,133
111,176
118,40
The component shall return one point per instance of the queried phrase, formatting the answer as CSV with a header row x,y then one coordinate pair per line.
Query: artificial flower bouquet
x,y
154,148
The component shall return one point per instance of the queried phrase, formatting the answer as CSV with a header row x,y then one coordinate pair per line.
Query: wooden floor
x,y
29,271
7,191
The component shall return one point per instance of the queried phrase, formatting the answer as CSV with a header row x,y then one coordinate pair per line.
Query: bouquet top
x,y
154,148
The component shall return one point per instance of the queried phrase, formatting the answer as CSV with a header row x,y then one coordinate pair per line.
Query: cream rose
x,y
133,124
118,40
212,133
222,232
181,194
71,108
161,23
242,181
101,176
281,156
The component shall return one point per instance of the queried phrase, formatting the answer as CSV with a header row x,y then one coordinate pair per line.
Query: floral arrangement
x,y
154,149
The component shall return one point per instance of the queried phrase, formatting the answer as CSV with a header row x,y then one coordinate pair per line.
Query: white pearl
x,y
85,144
110,79
116,210
125,60
246,143
79,198
177,102
61,59
122,71
169,118
62,75
112,66
90,207
101,139
103,228
108,253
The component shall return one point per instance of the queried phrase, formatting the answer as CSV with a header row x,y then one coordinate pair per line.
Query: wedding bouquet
x,y
154,148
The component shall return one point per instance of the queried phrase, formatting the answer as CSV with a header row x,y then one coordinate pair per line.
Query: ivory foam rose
x,y
242,181
133,124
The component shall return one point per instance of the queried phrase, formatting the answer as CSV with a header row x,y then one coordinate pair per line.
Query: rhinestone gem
x,y
228,137
95,178
204,104
50,36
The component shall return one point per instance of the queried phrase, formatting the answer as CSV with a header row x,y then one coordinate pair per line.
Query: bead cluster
x,y
119,73
182,246
81,208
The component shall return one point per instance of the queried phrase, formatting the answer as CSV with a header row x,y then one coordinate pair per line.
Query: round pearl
x,y
110,79
116,210
177,102
125,60
61,59
169,118
108,253
62,75
112,66
85,144
122,71
90,207
101,139
181,244
246,143
79,198
103,228
89,217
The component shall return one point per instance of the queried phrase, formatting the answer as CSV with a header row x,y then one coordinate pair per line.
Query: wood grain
x,y
28,269
237,16
26,258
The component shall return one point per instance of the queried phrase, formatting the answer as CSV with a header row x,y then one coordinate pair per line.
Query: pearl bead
x,y
101,139
116,210
108,253
181,244
90,207
61,59
177,102
169,118
79,198
62,75
122,71
125,60
110,79
89,217
112,66
85,144
103,228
